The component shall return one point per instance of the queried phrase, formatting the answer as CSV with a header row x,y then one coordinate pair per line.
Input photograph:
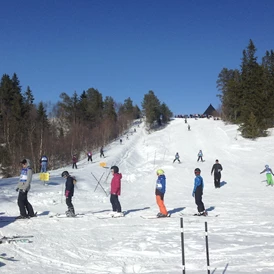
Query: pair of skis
x,y
23,239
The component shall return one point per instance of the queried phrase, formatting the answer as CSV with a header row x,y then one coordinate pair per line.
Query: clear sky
x,y
125,48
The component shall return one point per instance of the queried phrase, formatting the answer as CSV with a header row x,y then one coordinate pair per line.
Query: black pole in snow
x,y
183,245
207,252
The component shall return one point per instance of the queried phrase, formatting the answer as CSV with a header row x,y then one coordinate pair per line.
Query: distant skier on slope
x,y
177,158
197,192
200,156
217,168
269,174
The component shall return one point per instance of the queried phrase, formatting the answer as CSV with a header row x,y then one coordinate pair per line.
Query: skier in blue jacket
x,y
198,192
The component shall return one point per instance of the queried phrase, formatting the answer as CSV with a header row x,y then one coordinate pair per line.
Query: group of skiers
x,y
26,209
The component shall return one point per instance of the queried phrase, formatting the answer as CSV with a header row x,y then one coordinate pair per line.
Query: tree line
x,y
75,124
247,93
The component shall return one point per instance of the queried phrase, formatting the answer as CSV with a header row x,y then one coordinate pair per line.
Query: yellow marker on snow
x,y
103,164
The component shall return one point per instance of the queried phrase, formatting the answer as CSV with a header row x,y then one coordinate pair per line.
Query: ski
x,y
100,216
196,215
154,217
63,215
24,239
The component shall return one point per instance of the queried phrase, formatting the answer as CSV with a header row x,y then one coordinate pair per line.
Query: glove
x,y
67,193
17,189
193,194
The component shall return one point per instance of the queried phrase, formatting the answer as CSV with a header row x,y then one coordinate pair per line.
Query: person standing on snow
x,y
197,192
74,161
44,163
160,193
217,168
102,152
115,191
177,158
269,174
200,156
69,191
23,187
89,154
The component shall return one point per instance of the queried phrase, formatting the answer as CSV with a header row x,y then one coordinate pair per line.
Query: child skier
x,y
69,191
198,192
269,174
200,156
160,193
115,191
177,158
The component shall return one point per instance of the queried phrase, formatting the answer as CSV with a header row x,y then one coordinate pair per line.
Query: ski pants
x,y
74,165
269,179
24,205
200,158
217,179
44,167
89,158
198,199
114,200
69,203
177,159
160,203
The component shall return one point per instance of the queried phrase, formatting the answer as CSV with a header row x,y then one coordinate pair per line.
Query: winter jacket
x,y
115,187
198,181
74,159
267,170
69,191
25,179
216,168
160,185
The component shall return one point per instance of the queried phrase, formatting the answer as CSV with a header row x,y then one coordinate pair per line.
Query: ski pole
x,y
183,245
207,252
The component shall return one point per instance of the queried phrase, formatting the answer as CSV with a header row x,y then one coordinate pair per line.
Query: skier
x,y
44,163
89,154
198,192
269,174
74,161
23,187
69,191
102,152
115,191
160,193
177,158
217,168
200,156
188,127
121,141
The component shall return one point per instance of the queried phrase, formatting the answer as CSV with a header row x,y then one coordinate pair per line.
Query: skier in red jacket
x,y
115,191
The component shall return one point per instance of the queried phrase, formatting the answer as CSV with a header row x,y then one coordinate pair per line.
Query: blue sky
x,y
125,48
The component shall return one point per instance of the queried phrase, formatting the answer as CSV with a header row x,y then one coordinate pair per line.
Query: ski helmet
x,y
65,174
266,166
197,171
115,169
160,172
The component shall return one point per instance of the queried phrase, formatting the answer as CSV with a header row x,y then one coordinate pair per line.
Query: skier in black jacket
x,y
217,168
69,191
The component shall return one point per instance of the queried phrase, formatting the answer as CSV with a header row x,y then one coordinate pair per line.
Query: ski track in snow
x,y
240,238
